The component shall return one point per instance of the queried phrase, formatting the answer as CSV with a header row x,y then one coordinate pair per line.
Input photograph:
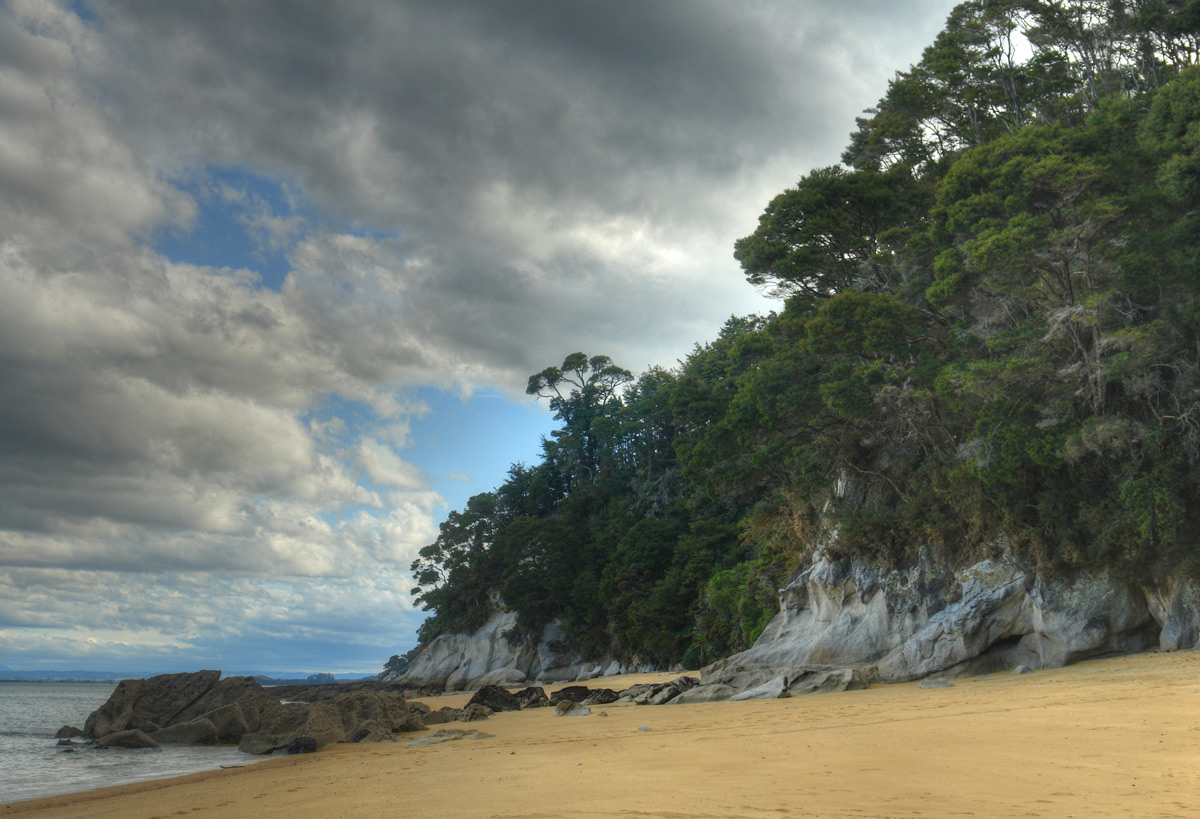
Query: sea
x,y
33,765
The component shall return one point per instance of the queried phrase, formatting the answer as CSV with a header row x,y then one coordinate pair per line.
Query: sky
x,y
273,277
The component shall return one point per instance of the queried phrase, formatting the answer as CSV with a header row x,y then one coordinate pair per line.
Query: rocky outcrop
x,y
202,709
358,717
931,618
152,705
148,705
129,738
489,655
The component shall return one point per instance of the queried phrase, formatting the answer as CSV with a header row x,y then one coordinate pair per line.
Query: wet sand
x,y
1116,737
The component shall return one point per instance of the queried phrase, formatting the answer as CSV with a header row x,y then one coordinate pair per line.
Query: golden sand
x,y
1117,737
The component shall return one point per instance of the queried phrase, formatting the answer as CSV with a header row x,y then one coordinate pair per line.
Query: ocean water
x,y
33,765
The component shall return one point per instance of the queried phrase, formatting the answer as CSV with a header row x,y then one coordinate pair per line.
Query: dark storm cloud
x,y
485,187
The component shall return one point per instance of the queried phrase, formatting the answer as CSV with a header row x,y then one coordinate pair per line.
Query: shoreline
x,y
1110,737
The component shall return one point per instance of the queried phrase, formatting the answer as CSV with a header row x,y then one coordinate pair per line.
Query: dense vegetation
x,y
988,339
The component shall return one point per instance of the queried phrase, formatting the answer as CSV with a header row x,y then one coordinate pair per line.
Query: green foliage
x,y
990,335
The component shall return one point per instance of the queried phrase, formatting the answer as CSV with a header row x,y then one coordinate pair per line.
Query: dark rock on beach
x,y
496,698
68,731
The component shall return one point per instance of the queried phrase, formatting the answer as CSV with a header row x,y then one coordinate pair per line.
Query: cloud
x,y
199,455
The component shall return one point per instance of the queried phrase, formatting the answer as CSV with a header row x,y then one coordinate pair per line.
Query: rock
x,y
507,677
443,735
234,705
1175,606
473,735
818,681
660,693
566,708
600,696
230,723
419,708
129,738
287,721
301,745
441,715
496,698
461,661
705,693
68,731
380,713
935,682
770,690
475,712
1022,669
532,697
646,728
574,693
929,618
66,742
196,732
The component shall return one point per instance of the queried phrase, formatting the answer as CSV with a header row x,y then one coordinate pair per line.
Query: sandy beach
x,y
1115,737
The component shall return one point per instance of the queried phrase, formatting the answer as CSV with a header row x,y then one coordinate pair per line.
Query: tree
x,y
828,233
581,392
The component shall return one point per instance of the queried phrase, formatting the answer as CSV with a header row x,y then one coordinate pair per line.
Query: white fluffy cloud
x,y
472,190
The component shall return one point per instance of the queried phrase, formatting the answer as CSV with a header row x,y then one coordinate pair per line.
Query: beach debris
x,y
566,708
495,698
645,728
935,682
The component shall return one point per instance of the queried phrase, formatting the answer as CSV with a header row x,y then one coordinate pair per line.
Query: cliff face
x,y
898,625
487,655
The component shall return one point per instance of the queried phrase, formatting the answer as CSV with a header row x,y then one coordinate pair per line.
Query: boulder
x,y
600,696
68,731
705,693
250,698
496,698
129,738
149,704
574,693
231,723
282,723
196,732
474,712
380,713
818,681
661,693
770,690
532,697
567,708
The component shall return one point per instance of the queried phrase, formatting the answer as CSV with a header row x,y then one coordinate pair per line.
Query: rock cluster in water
x,y
200,708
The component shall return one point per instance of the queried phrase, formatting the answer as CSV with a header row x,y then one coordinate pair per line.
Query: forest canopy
x,y
988,338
